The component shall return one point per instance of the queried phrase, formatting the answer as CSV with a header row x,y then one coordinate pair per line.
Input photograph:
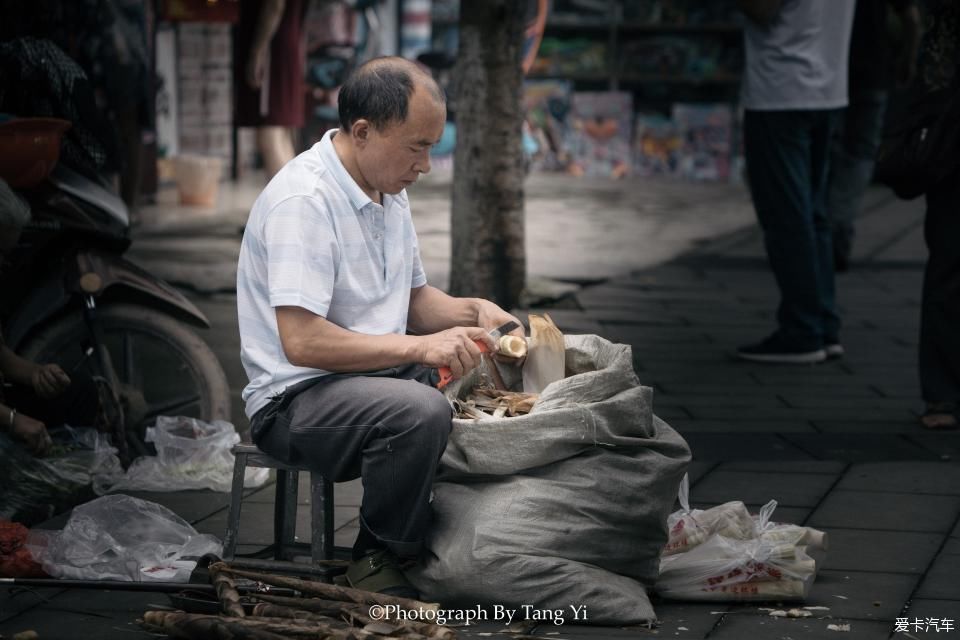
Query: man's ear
x,y
360,132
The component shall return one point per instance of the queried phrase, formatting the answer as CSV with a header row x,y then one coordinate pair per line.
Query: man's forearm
x,y
271,11
432,310
14,368
312,341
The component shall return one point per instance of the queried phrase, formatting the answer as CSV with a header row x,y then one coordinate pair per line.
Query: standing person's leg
x,y
778,147
821,135
852,156
939,357
390,431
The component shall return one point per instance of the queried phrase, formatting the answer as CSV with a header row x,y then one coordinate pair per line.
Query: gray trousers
x,y
387,427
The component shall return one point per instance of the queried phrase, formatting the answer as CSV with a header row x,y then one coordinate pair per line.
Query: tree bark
x,y
487,220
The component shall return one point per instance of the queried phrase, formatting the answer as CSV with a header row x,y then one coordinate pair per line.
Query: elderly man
x,y
329,282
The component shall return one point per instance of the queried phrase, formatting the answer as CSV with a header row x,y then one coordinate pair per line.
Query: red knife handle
x,y
446,375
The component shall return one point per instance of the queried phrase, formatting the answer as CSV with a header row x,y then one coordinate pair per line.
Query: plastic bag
x,y
34,489
120,537
724,553
191,454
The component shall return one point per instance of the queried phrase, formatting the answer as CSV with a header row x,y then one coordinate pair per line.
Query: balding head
x,y
379,91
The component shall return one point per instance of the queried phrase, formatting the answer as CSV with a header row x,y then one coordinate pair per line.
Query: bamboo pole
x,y
332,592
226,592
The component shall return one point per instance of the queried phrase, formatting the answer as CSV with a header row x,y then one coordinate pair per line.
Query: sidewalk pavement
x,y
836,444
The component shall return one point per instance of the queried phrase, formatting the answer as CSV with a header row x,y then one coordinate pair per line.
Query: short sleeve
x,y
302,254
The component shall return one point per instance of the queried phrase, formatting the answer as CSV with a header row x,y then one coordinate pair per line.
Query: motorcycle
x,y
71,298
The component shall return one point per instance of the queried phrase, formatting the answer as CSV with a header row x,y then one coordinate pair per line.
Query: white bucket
x,y
198,179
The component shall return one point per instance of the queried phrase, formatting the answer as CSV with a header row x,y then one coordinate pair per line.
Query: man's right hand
x,y
32,432
454,348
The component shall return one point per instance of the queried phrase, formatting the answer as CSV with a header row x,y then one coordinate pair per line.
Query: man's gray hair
x,y
14,211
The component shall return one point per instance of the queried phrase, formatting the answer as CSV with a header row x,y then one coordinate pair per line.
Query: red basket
x,y
29,149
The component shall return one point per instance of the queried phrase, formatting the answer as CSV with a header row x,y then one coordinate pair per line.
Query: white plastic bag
x,y
724,553
120,537
191,454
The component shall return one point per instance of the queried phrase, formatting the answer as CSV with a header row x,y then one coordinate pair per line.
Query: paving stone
x,y
742,446
104,615
741,401
883,551
688,424
897,512
256,522
14,602
687,619
852,415
857,448
765,627
943,446
808,466
941,581
861,595
905,476
788,489
921,614
904,427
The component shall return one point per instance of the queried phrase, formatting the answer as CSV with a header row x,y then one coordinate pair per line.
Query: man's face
x,y
392,159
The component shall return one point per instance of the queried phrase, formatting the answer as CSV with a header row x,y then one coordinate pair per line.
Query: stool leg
x,y
285,511
321,518
236,498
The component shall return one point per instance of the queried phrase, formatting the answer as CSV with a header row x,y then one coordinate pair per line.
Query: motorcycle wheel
x,y
163,367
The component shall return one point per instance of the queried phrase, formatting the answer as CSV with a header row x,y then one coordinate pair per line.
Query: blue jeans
x,y
787,154
852,156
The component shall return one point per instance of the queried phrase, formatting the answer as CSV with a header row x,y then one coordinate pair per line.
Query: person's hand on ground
x,y
31,432
454,348
49,381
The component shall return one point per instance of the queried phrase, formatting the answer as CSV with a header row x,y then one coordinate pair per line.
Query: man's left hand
x,y
49,381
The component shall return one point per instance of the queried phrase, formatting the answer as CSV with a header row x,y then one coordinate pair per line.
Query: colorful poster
x,y
706,131
599,137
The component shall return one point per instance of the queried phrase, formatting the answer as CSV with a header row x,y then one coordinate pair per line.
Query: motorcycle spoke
x,y
168,407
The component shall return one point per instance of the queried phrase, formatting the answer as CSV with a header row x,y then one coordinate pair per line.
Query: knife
x,y
446,375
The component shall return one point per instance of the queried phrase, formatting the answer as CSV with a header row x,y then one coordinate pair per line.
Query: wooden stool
x,y
284,546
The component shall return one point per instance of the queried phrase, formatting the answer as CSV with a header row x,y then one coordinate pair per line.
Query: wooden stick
x,y
369,627
332,592
188,626
227,592
358,613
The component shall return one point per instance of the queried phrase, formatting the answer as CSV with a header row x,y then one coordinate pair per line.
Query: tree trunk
x,y
488,259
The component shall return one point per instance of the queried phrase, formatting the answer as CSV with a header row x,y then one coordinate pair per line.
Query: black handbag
x,y
923,149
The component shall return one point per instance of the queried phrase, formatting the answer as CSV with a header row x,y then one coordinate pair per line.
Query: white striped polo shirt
x,y
315,240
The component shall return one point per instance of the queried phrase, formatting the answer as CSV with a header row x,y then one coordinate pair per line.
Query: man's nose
x,y
423,164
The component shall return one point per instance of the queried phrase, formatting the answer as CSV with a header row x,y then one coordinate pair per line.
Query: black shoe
x,y
379,571
775,349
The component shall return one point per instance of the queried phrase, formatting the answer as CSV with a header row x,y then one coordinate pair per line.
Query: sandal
x,y
940,415
379,572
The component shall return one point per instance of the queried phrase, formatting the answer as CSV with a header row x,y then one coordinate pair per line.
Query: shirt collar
x,y
328,154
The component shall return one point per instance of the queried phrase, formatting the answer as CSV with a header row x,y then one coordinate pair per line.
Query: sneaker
x,y
379,571
777,350
834,350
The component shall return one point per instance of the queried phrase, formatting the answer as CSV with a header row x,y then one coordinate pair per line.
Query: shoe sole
x,y
809,357
834,351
